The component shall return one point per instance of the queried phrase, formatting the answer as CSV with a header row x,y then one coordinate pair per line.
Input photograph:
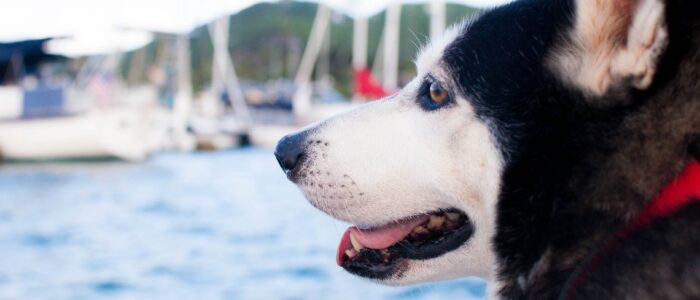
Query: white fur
x,y
390,159
593,58
431,53
646,40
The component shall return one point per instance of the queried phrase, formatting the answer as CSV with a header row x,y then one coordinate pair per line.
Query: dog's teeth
x,y
435,222
420,230
355,244
351,253
452,216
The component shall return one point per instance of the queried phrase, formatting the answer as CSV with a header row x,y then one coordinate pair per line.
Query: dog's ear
x,y
613,43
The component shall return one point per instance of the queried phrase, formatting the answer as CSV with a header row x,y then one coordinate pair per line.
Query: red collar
x,y
681,191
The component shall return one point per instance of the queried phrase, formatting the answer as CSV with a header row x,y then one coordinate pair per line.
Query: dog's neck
x,y
577,182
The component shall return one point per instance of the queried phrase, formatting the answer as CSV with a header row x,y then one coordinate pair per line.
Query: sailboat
x,y
41,121
120,132
214,125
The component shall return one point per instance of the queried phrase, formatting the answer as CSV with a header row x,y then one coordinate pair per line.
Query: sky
x,y
100,24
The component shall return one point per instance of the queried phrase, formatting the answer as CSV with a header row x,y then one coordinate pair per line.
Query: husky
x,y
526,151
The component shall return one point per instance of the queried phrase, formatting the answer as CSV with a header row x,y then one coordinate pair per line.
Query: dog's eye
x,y
432,95
437,93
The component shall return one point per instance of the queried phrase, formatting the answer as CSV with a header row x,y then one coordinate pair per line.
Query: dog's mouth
x,y
380,252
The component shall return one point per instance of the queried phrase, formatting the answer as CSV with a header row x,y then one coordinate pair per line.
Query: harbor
x,y
144,90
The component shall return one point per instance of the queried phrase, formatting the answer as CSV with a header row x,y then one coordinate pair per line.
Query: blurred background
x,y
136,137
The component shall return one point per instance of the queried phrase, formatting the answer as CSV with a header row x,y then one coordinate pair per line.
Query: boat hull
x,y
125,133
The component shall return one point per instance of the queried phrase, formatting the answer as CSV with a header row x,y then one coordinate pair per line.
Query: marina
x,y
116,102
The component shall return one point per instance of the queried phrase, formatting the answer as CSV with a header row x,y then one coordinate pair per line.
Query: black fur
x,y
694,148
660,261
575,172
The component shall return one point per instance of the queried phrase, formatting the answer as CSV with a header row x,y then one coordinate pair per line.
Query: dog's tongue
x,y
378,238
385,236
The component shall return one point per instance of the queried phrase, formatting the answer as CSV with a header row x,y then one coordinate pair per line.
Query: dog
x,y
527,151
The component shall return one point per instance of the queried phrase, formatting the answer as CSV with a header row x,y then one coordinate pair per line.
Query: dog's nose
x,y
290,150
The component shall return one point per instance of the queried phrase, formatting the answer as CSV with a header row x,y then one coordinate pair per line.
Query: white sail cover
x,y
87,27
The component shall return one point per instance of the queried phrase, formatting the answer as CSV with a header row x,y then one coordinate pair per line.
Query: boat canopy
x,y
22,58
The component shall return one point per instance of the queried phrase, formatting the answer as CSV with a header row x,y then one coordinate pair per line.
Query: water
x,y
223,225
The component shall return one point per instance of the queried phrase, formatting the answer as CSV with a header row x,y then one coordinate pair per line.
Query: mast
x,y
301,102
183,98
437,18
391,46
218,30
224,72
360,35
359,42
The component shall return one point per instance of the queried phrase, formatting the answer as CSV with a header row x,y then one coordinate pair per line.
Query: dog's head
x,y
420,173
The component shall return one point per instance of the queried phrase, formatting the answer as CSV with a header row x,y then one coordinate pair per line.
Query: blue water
x,y
223,225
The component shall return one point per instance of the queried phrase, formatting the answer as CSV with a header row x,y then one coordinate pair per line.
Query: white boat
x,y
267,135
129,133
